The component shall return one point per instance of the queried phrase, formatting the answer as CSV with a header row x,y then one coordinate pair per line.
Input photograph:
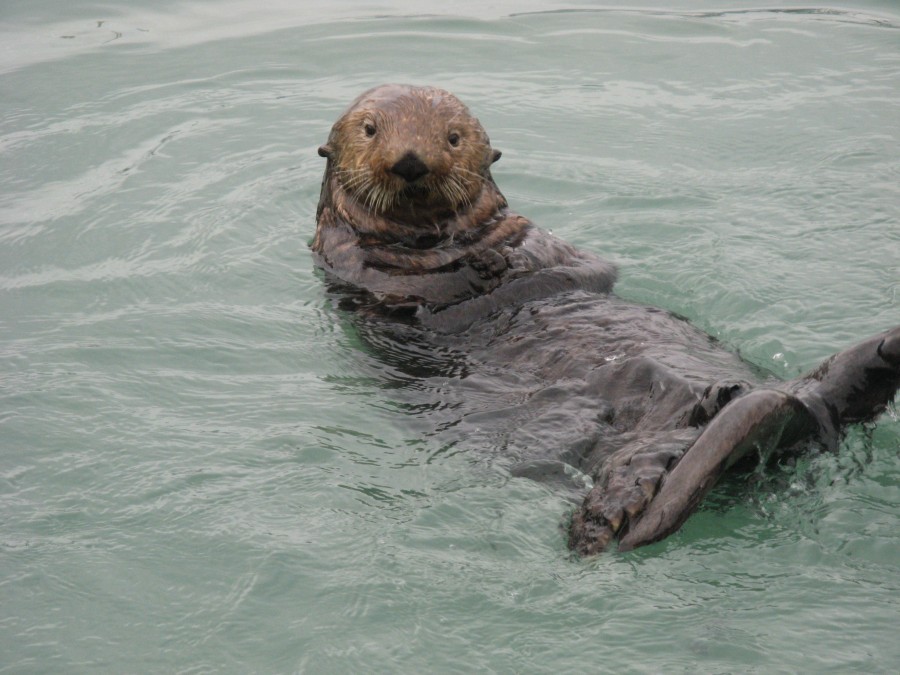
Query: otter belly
x,y
571,378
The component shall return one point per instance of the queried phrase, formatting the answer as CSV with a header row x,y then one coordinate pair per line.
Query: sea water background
x,y
203,469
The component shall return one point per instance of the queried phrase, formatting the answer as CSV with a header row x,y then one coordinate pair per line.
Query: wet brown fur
x,y
449,232
456,195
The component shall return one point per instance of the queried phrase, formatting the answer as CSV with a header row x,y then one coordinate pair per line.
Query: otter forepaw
x,y
626,486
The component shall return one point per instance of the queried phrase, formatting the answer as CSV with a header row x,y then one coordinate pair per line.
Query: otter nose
x,y
410,168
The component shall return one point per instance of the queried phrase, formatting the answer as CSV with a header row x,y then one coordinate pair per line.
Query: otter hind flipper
x,y
855,385
645,496
764,418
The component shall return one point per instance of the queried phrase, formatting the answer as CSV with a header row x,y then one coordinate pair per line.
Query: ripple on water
x,y
207,466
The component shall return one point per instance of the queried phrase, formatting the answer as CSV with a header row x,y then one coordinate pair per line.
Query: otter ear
x,y
325,150
495,156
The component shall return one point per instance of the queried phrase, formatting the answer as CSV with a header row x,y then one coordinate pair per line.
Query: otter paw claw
x,y
626,485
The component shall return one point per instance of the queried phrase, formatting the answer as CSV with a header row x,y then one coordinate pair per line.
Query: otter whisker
x,y
462,169
455,192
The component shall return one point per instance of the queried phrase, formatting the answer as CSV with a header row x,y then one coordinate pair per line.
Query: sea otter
x,y
412,226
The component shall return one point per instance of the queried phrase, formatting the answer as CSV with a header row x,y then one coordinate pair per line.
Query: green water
x,y
202,467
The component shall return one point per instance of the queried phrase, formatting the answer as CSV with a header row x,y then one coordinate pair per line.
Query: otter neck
x,y
425,228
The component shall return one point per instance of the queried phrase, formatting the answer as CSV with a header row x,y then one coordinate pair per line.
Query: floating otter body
x,y
411,223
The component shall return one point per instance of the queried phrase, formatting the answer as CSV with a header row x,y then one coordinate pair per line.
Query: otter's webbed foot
x,y
854,385
764,418
647,496
644,496
627,482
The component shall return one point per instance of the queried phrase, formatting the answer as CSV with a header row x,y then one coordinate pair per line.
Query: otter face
x,y
402,149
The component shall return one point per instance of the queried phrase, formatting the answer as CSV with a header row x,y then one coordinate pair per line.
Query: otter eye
x,y
453,138
369,129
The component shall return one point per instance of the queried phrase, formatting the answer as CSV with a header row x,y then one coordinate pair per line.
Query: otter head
x,y
401,150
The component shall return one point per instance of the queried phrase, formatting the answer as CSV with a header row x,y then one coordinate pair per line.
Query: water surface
x,y
205,468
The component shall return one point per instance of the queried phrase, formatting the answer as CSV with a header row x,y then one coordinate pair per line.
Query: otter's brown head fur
x,y
410,214
409,153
